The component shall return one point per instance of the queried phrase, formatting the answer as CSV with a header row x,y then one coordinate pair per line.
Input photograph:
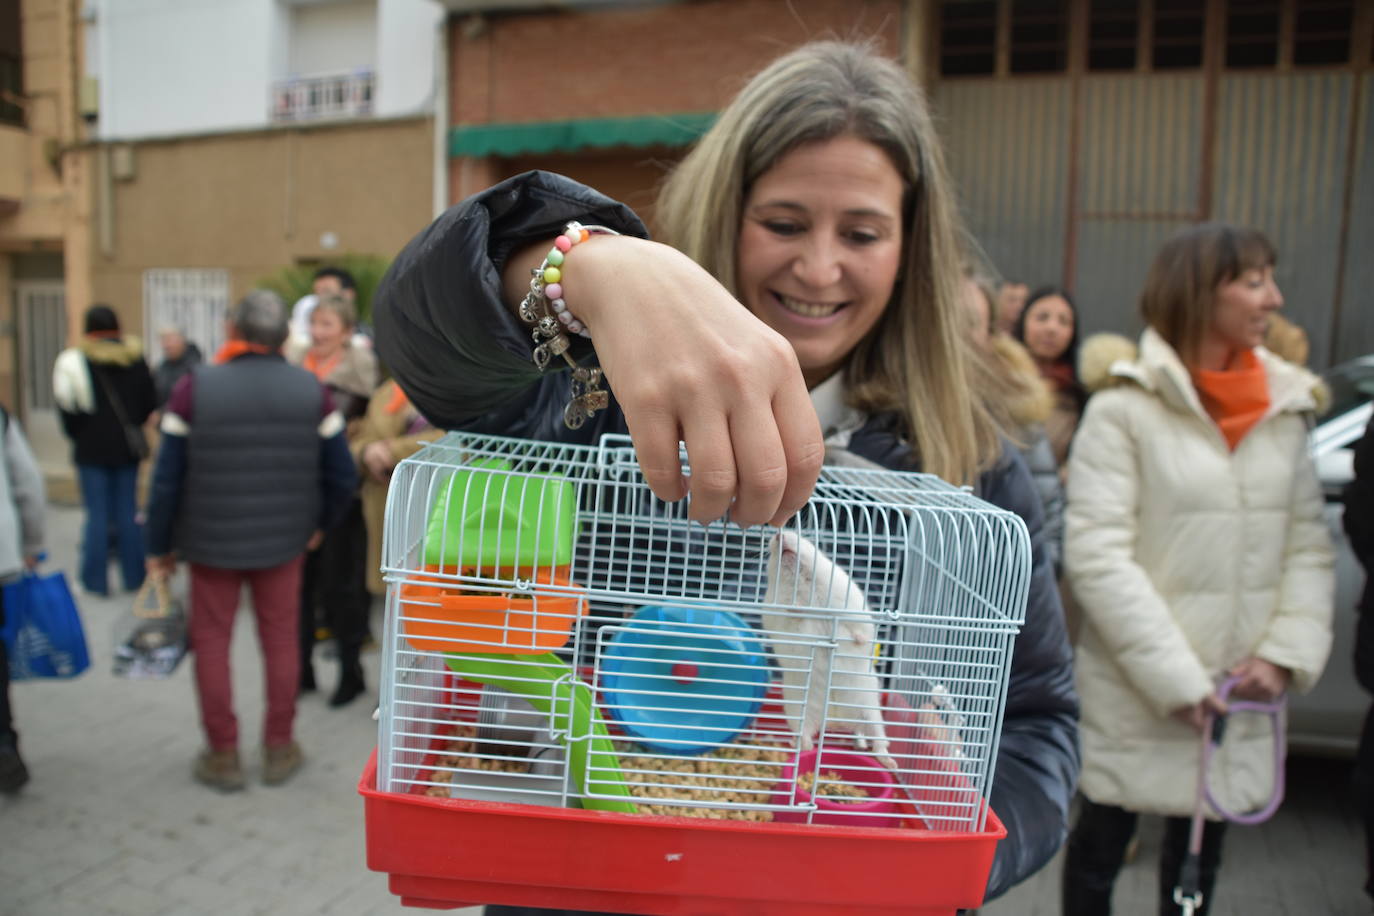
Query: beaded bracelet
x,y
545,309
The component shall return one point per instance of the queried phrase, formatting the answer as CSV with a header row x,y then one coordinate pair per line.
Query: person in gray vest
x,y
252,469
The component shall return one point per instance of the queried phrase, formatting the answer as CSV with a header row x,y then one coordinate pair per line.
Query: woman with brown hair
x,y
1020,400
1196,548
805,307
1048,328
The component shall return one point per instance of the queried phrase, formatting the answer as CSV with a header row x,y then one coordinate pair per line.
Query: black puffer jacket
x,y
85,378
464,361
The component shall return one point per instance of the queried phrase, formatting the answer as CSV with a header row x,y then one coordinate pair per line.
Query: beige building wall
x,y
255,202
43,207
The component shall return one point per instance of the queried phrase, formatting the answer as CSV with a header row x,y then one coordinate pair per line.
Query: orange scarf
x,y
235,348
398,400
322,369
1236,398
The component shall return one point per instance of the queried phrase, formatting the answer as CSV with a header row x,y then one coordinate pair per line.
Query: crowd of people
x,y
271,468
1165,485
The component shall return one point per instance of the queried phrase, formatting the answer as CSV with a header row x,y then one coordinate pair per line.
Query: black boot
x,y
307,684
13,773
350,677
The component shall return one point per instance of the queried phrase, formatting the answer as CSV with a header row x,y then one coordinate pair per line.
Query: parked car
x,y
1328,720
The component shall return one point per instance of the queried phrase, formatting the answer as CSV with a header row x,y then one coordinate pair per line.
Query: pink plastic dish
x,y
857,769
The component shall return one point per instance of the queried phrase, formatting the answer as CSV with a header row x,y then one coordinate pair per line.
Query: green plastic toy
x,y
544,681
486,515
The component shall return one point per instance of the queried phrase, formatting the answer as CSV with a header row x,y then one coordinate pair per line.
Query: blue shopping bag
x,y
42,632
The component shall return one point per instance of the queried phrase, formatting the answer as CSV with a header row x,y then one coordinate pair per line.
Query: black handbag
x,y
133,435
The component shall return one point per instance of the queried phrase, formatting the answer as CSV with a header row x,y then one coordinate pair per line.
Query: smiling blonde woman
x,y
806,306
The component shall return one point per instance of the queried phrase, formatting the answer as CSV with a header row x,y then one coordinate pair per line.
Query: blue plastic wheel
x,y
684,680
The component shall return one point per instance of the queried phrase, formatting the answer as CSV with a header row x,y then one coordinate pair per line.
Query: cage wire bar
x,y
556,635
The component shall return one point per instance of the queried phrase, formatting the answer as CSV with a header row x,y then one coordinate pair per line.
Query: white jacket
x,y
1188,558
23,504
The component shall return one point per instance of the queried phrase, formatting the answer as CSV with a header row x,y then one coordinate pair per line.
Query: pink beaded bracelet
x,y
545,308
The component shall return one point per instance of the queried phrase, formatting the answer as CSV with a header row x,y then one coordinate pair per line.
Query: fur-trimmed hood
x,y
71,375
1027,399
116,351
1107,360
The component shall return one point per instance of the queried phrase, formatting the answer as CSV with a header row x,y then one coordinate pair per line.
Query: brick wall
x,y
679,57
657,59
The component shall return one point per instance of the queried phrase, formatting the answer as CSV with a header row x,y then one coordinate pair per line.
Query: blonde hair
x,y
913,362
341,307
1179,297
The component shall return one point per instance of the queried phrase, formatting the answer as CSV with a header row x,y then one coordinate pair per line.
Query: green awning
x,y
567,136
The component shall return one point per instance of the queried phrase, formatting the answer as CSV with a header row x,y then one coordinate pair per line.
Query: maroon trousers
x,y
214,604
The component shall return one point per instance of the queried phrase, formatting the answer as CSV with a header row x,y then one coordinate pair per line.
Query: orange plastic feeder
x,y
445,617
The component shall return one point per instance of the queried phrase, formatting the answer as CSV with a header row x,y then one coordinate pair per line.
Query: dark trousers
x,y
1364,758
1098,844
7,736
334,588
108,493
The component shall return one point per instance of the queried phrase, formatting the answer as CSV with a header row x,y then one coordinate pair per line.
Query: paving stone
x,y
113,821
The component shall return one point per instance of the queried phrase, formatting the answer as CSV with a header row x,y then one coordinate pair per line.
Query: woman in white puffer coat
x,y
1196,547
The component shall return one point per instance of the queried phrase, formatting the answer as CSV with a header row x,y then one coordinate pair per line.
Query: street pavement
x,y
112,822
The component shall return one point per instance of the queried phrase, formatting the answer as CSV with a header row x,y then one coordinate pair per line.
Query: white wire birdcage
x,y
556,635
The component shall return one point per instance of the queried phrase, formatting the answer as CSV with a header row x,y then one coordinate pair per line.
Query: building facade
x,y
165,157
643,80
1084,132
1081,132
232,139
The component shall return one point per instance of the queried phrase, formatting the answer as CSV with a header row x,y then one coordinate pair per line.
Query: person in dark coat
x,y
105,393
179,356
820,201
1359,526
252,470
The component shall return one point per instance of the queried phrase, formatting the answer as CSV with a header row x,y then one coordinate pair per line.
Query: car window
x,y
1351,384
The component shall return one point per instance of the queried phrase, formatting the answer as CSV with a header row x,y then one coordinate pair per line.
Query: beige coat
x,y
1187,559
380,424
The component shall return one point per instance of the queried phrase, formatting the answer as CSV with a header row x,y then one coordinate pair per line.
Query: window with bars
x,y
1321,32
1039,36
1113,32
980,37
968,38
1252,34
1179,28
11,65
195,301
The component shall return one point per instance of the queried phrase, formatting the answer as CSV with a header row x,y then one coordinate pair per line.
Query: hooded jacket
x,y
464,361
1022,404
84,379
1188,558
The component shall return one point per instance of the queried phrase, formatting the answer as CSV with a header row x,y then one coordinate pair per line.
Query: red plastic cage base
x,y
443,853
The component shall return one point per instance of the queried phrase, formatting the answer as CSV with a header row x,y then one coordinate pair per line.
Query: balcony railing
x,y
315,98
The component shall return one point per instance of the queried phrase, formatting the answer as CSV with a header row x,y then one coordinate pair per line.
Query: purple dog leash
x,y
1188,893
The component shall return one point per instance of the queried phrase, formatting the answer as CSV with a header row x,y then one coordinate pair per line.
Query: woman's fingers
x,y
761,464
654,433
685,359
803,448
711,457
1213,704
1259,679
